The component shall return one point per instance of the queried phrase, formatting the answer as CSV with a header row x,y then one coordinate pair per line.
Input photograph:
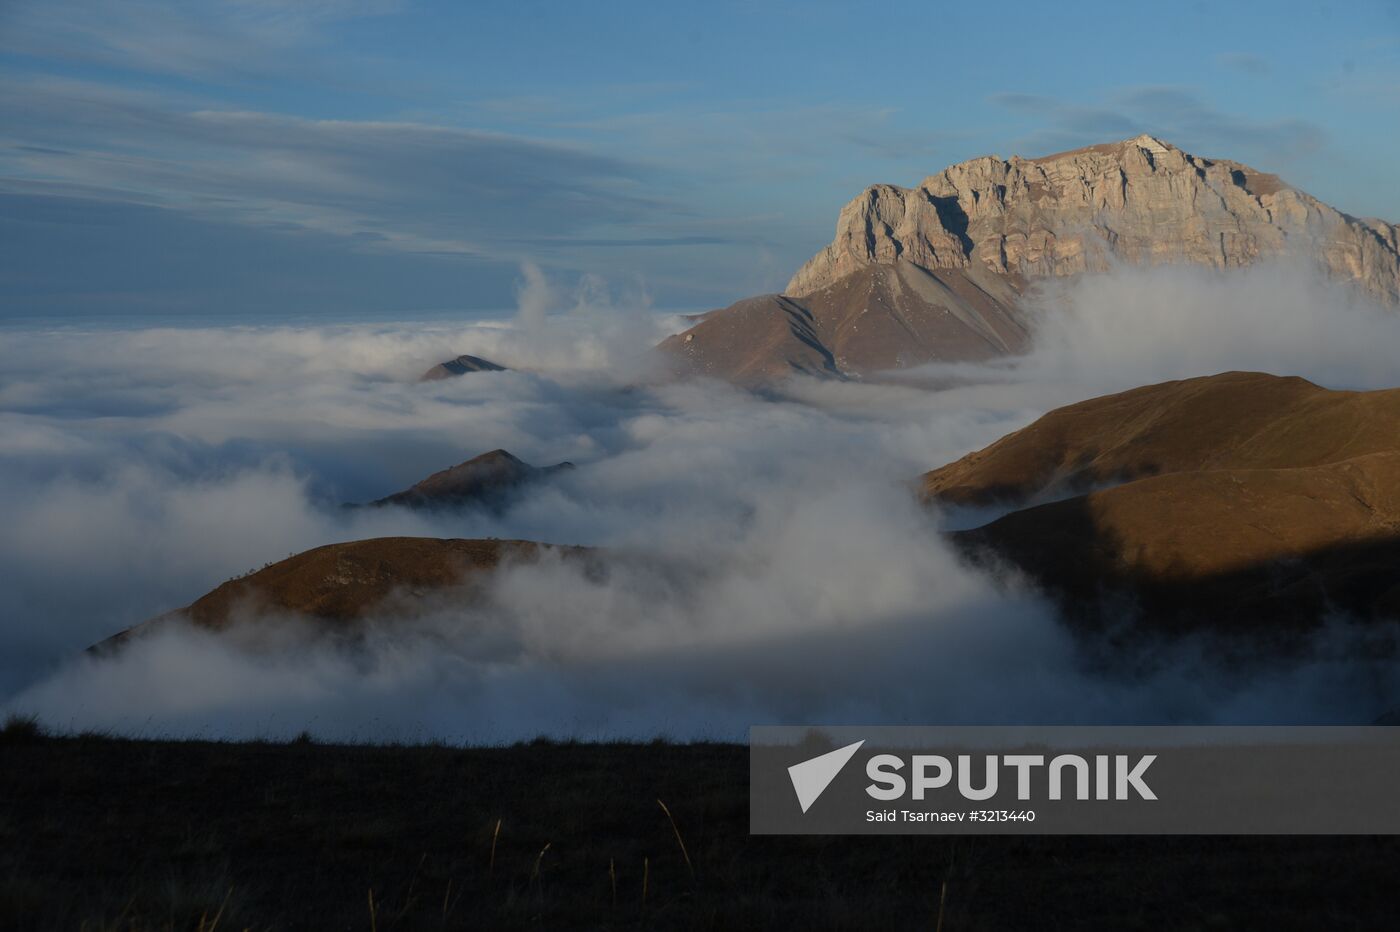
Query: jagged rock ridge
x,y
1141,200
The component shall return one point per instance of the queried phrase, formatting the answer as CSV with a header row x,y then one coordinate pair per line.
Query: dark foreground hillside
x,y
104,834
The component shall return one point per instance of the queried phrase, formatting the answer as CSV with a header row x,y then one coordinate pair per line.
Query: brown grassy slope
x,y
1268,546
898,316
143,836
1190,525
879,318
1241,498
1235,420
339,583
750,342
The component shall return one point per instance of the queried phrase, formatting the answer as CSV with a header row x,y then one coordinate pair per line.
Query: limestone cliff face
x,y
1140,200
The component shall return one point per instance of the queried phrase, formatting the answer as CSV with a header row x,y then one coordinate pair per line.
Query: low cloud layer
x,y
766,561
1145,325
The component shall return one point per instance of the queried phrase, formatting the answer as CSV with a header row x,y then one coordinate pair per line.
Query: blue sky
x,y
256,158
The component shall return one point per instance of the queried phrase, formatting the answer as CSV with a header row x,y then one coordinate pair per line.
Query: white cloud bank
x,y
767,564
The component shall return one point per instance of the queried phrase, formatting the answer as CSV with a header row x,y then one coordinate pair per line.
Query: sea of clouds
x,y
765,560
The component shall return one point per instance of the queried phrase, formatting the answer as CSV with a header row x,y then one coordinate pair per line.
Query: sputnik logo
x,y
811,777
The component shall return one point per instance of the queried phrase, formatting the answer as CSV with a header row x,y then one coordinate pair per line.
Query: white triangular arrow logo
x,y
811,777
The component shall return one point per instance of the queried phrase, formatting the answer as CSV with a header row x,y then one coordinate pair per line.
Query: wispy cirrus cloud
x,y
1245,63
184,165
1180,114
141,174
415,185
203,40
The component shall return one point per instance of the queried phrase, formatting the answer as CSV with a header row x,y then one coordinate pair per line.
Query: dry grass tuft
x,y
21,729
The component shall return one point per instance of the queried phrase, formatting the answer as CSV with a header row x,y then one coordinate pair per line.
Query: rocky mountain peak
x,y
1140,200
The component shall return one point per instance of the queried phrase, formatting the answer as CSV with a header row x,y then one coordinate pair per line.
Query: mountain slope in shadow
x,y
490,479
461,365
